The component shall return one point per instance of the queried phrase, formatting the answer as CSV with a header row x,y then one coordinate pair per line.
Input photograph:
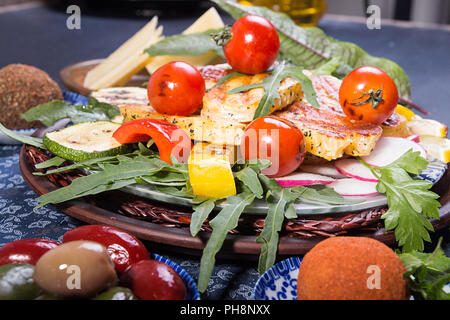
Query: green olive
x,y
77,269
116,293
16,282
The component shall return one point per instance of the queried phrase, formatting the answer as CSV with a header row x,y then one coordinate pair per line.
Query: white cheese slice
x,y
126,61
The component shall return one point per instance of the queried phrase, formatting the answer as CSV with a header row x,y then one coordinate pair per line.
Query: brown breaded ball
x,y
23,87
351,268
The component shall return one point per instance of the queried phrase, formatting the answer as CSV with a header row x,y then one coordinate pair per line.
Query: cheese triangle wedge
x,y
126,61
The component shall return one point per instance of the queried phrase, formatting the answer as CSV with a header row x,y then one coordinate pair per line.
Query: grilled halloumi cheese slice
x,y
198,128
328,132
240,107
121,96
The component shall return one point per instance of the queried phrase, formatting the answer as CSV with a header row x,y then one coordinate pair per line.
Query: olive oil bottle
x,y
305,13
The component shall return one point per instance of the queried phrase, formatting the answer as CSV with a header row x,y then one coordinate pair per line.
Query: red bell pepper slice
x,y
168,137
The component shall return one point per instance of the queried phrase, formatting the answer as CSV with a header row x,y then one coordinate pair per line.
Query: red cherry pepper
x,y
25,250
168,137
154,280
123,248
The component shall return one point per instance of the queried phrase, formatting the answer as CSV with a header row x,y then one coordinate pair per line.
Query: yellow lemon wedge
x,y
404,111
427,127
210,172
436,147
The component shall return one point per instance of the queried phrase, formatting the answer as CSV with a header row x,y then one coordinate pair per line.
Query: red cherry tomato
x,y
176,88
368,94
277,140
154,280
254,45
168,137
123,248
25,250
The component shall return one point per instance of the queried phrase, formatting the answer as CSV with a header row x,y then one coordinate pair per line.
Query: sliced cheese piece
x,y
436,147
198,128
209,20
126,61
121,96
426,127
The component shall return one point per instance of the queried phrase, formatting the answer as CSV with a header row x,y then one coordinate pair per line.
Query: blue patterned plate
x,y
279,282
191,287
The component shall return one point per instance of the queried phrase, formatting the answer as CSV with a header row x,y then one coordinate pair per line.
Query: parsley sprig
x,y
410,201
427,273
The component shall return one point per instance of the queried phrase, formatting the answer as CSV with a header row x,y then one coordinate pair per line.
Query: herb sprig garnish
x,y
427,273
410,201
50,112
271,84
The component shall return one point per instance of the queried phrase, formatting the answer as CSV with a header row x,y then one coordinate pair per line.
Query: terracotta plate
x,y
180,240
73,76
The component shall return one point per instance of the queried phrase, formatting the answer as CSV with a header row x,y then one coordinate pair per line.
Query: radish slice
x,y
354,187
389,149
355,169
303,179
324,169
414,137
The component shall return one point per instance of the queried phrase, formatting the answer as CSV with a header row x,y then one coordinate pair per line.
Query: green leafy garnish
x,y
53,162
427,273
200,214
278,202
194,44
110,177
32,141
410,201
49,113
225,221
228,76
271,84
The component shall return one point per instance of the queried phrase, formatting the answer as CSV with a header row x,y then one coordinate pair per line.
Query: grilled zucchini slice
x,y
85,141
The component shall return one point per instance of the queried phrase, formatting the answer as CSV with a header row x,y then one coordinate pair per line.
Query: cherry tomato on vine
x,y
368,94
277,140
253,46
176,88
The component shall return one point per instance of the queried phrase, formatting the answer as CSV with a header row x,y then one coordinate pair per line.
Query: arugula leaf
x,y
249,177
271,84
410,201
32,141
321,194
427,273
50,112
53,162
229,76
277,202
77,165
194,44
112,176
225,221
185,192
200,214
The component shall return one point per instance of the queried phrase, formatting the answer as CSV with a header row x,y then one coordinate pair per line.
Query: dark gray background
x,y
38,36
